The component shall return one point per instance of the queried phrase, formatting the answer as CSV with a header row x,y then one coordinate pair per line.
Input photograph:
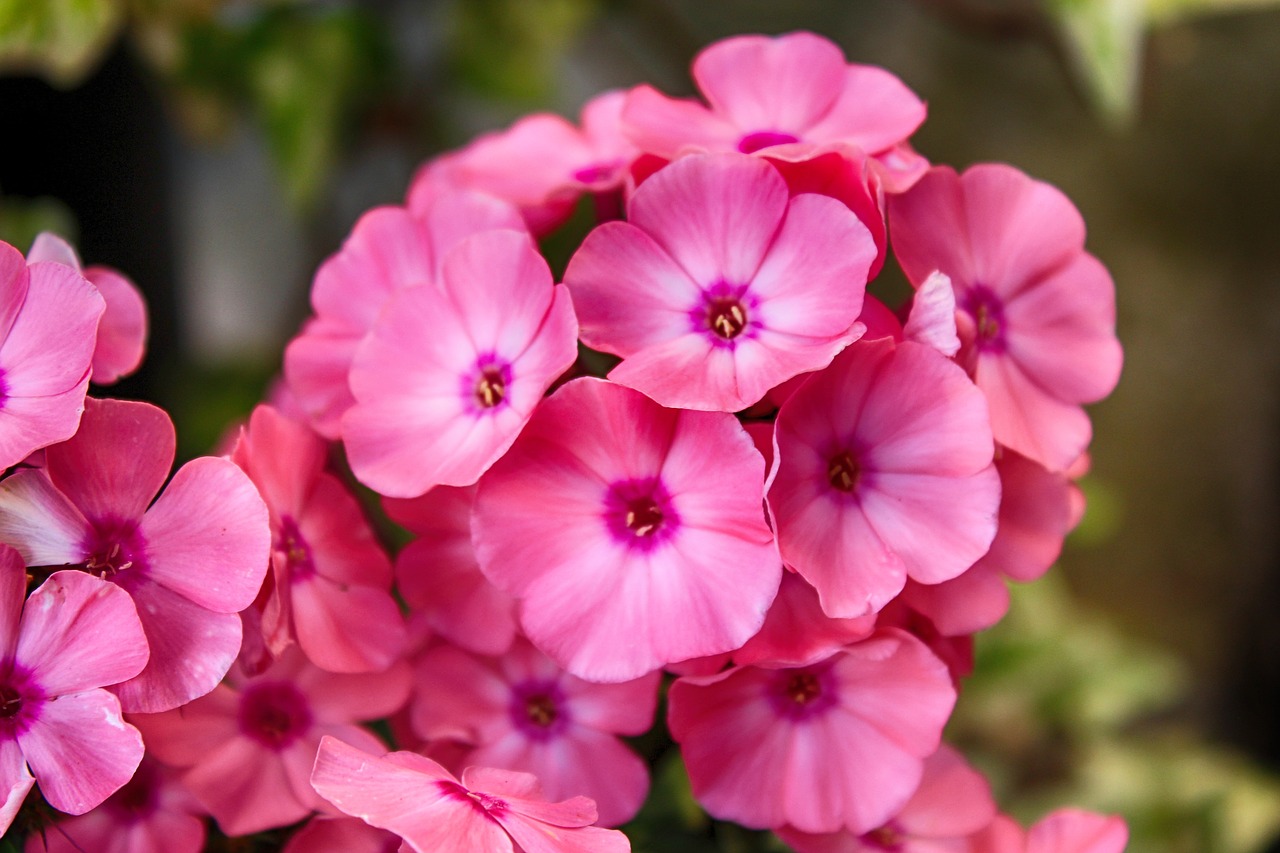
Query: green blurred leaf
x,y
21,219
510,48
1163,11
1103,40
59,39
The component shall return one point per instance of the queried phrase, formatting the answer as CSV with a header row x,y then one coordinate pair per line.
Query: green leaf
x,y
59,39
1165,11
21,219
1103,40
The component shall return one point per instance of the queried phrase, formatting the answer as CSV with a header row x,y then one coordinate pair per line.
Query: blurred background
x,y
216,152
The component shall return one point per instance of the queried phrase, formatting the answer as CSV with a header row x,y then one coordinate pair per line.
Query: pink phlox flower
x,y
932,317
191,561
488,811
797,632
74,636
152,813
953,802
633,535
449,374
122,331
439,578
523,712
328,834
49,315
246,749
956,651
1066,830
541,164
331,580
763,92
836,745
720,285
389,249
884,472
1036,313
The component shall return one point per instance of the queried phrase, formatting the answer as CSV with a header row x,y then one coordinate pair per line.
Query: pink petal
x,y
953,799
1077,831
316,364
453,216
347,628
122,332
932,320
48,246
344,698
1035,516
186,736
625,708
715,214
460,697
15,779
970,602
1029,419
666,126
118,460
797,632
930,230
536,837
79,632
782,84
324,834
30,423
13,591
81,750
283,458
50,344
208,536
14,282
191,649
874,111
244,789
39,521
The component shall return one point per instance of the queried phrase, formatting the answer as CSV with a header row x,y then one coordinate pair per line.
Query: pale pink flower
x,y
152,813
836,745
523,712
122,331
449,374
247,748
1066,830
439,578
489,811
632,534
74,636
330,579
327,834
884,472
191,561
720,285
762,92
1036,312
953,802
389,249
48,317
541,164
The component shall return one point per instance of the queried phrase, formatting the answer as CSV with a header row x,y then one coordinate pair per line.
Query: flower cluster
x,y
708,458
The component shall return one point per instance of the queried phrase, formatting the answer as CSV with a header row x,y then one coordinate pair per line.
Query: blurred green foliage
x,y
60,39
21,219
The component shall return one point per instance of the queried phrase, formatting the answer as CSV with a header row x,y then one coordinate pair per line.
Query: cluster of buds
x,y
708,462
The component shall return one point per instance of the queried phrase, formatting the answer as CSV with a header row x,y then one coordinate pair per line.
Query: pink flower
x,y
720,286
796,631
1063,831
122,331
389,249
152,813
449,374
191,561
48,317
836,745
952,802
490,811
331,580
439,578
246,749
522,712
884,472
632,534
327,834
765,92
74,636
1036,312
541,164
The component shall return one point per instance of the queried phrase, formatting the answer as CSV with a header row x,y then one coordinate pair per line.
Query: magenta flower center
x,y
487,386
491,389
290,542
802,694
478,799
114,547
988,318
726,313
10,702
843,472
640,513
753,142
887,838
538,709
726,317
274,713
139,797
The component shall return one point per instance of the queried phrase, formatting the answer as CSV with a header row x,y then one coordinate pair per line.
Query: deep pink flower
x,y
884,471
48,319
953,802
449,374
1036,312
794,89
74,636
439,578
122,331
246,749
720,286
191,561
632,534
836,745
152,813
328,834
523,712
330,579
389,249
490,811
541,164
